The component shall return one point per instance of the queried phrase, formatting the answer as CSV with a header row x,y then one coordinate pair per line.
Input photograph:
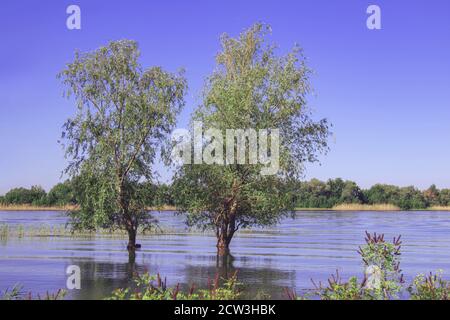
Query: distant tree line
x,y
319,194
309,194
71,192
61,194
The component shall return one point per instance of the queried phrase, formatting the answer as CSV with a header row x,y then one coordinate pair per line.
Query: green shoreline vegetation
x,y
30,207
342,207
313,195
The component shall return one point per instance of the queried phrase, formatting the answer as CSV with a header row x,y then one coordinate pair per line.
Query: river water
x,y
311,246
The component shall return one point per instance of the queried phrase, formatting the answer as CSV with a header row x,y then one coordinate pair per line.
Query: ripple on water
x,y
313,245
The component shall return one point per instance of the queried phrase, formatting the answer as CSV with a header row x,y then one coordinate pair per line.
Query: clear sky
x,y
387,91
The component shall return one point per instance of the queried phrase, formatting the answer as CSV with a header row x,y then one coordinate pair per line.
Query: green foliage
x,y
406,198
124,113
157,195
380,253
351,193
386,283
154,288
71,192
443,198
253,88
318,194
11,294
164,195
432,196
385,258
410,198
431,287
61,194
339,290
16,293
18,196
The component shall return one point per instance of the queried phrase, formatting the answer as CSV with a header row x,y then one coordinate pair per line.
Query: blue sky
x,y
387,92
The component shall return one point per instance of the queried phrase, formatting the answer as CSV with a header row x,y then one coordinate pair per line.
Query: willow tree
x,y
251,88
124,115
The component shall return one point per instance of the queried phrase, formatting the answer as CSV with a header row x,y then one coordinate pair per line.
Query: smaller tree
x,y
61,194
432,195
34,196
124,114
444,197
351,193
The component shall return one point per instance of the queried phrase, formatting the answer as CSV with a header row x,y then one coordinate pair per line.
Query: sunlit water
x,y
289,255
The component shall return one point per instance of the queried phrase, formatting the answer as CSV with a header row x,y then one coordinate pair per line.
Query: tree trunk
x,y
223,248
224,265
131,239
131,261
225,234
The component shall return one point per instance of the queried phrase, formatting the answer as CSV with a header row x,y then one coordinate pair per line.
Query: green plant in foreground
x,y
12,294
149,287
16,293
431,287
383,277
339,290
382,280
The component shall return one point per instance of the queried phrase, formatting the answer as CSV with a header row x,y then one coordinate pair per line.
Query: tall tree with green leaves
x,y
124,115
251,88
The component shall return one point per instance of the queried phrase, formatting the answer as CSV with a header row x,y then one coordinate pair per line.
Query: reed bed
x,y
28,207
44,231
439,208
366,207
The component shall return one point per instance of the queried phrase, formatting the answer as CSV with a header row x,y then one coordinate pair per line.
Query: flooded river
x,y
311,246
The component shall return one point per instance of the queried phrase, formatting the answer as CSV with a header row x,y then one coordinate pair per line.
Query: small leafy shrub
x,y
154,288
382,280
383,258
431,287
339,290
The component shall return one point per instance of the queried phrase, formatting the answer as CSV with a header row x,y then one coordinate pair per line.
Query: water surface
x,y
311,246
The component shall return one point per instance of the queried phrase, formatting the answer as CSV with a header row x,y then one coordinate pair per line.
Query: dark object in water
x,y
136,246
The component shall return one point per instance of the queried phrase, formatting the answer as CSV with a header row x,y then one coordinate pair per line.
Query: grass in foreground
x,y
155,288
16,293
